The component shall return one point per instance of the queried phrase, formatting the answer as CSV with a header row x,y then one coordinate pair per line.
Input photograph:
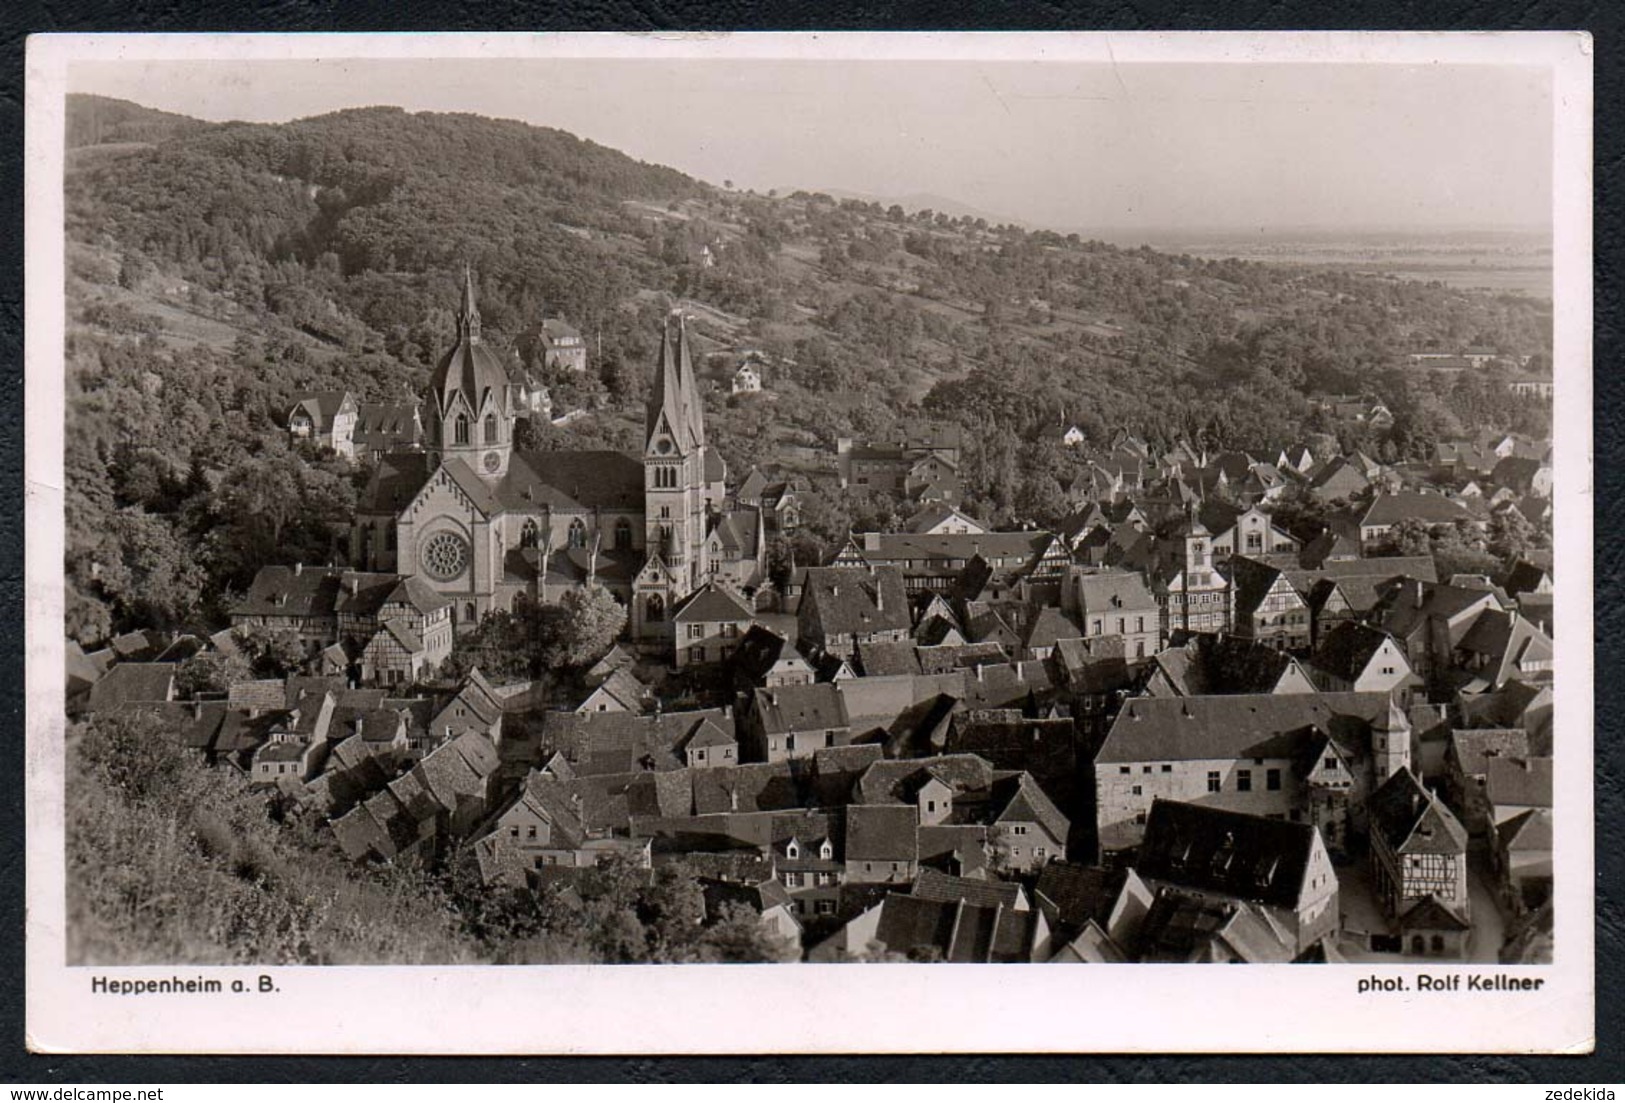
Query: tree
x,y
271,652
211,672
580,628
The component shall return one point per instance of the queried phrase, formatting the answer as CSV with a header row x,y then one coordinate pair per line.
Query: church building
x,y
485,524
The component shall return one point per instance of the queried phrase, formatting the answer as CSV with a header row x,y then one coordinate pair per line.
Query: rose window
x,y
445,555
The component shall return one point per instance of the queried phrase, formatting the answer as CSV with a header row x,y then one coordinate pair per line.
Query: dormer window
x,y
792,849
826,851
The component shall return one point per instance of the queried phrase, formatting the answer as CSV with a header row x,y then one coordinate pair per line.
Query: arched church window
x,y
655,608
578,533
490,429
529,535
469,615
461,429
623,535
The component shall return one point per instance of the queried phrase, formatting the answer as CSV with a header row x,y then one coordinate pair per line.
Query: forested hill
x,y
216,268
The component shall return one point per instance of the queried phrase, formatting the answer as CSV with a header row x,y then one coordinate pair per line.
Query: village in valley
x,y
775,578
1170,730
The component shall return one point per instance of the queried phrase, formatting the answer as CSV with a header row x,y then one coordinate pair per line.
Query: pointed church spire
x,y
666,400
691,389
468,315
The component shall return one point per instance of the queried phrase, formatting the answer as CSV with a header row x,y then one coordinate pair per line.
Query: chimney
x,y
298,569
980,677
360,724
1416,588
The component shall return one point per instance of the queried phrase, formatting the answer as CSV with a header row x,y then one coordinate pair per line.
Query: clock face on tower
x,y
492,461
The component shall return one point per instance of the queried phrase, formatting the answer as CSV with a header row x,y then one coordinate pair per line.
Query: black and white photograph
x,y
851,505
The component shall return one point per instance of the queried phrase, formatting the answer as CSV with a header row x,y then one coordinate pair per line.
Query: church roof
x,y
470,368
675,399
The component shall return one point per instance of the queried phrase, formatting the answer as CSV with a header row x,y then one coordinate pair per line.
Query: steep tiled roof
x,y
1412,820
1528,830
713,602
1431,509
129,683
1218,851
1474,747
1174,729
856,601
1021,799
800,708
879,658
1347,649
1105,592
881,833
930,884
1519,782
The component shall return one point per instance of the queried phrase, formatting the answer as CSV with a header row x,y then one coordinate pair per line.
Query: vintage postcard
x,y
809,543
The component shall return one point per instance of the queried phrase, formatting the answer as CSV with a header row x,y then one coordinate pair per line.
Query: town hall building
x,y
484,523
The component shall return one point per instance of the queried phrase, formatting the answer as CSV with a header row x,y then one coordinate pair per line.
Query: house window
x,y
1137,790
826,878
1213,781
824,907
1139,818
530,832
792,880
1021,828
1330,764
514,831
1167,769
1272,779
694,631
1125,769
1244,781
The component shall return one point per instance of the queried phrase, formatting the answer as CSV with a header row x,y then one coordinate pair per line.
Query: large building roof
x,y
1175,729
1212,850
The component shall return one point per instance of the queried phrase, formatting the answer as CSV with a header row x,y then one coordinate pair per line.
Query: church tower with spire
x,y
674,465
471,415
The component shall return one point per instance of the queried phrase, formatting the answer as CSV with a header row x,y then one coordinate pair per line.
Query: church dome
x,y
470,366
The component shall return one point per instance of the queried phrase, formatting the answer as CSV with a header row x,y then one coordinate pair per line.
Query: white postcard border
x,y
809,1008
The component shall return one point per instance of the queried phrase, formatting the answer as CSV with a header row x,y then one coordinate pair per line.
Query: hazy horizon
x,y
1139,148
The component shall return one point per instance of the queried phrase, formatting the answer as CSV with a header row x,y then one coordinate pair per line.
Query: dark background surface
x,y
17,21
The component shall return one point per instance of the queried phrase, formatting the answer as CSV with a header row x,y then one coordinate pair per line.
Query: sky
x,y
1067,145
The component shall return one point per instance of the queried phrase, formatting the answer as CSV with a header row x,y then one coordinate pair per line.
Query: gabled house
x,y
1467,764
1419,866
1259,754
1266,607
882,844
765,658
326,419
620,692
710,625
1378,519
843,606
1115,603
787,722
1281,868
1356,658
1211,665
1247,531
